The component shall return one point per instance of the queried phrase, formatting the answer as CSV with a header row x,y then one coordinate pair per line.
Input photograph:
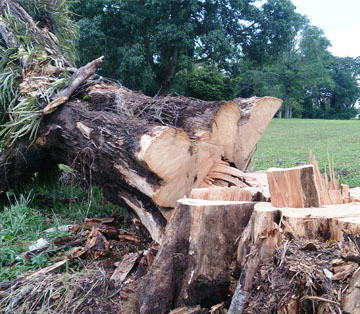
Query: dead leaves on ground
x,y
97,239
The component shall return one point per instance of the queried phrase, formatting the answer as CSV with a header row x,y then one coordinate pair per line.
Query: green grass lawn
x,y
287,142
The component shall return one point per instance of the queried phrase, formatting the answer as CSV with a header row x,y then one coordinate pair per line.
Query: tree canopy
x,y
212,49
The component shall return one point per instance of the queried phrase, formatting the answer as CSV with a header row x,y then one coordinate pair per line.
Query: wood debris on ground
x,y
300,276
112,259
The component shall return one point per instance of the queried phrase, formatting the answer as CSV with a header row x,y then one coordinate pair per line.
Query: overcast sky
x,y
339,19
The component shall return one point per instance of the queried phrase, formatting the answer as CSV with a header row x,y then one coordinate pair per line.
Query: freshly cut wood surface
x,y
234,193
193,264
305,186
179,166
255,113
327,222
293,187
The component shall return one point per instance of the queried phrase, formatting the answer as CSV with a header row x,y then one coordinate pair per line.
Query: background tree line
x,y
219,49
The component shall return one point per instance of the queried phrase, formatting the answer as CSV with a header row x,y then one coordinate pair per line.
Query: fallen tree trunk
x,y
144,152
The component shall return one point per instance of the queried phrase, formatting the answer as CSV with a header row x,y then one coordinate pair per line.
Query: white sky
x,y
340,21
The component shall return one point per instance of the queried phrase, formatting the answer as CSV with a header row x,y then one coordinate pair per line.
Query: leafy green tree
x,y
315,59
345,73
333,90
147,42
205,81
301,75
277,27
177,46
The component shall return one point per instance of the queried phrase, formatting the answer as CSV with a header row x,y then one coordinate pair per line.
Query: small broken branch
x,y
79,77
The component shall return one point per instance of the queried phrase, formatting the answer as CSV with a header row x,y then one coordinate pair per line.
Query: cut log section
x,y
293,187
234,193
305,186
193,264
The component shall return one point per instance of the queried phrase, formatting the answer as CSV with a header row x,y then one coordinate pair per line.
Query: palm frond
x,y
30,76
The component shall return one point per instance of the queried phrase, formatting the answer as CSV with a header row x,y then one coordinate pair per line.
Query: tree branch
x,y
171,70
79,77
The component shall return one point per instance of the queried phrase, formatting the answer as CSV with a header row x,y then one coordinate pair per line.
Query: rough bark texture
x,y
193,264
351,302
257,244
144,152
20,163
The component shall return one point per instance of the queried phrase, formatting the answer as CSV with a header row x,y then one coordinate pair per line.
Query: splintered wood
x,y
227,183
332,192
222,174
304,186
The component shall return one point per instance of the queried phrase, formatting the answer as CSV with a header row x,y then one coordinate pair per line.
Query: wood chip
x,y
124,268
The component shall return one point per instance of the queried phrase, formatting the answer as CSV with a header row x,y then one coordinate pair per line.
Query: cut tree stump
x,y
261,236
193,264
257,244
327,222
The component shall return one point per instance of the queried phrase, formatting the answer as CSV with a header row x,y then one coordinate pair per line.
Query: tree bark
x,y
146,153
193,263
257,244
